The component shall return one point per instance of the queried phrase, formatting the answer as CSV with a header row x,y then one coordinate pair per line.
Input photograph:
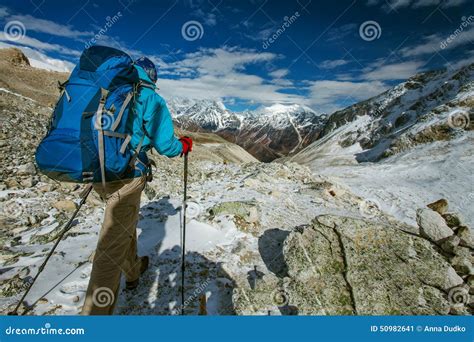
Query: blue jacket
x,y
151,108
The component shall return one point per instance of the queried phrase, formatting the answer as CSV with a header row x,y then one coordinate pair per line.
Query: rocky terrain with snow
x,y
406,147
263,238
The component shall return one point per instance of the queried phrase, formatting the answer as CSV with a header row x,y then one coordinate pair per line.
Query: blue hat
x,y
149,67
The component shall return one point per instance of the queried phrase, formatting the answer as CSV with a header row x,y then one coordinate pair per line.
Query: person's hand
x,y
187,143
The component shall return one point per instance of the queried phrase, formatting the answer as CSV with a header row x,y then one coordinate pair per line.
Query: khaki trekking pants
x,y
116,250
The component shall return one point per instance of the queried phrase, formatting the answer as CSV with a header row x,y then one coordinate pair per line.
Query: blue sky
x,y
323,54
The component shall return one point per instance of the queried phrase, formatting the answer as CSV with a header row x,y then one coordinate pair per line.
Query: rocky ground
x,y
262,239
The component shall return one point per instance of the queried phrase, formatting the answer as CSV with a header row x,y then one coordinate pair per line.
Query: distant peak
x,y
280,108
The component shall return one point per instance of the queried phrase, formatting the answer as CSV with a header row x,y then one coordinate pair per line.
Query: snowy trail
x,y
67,272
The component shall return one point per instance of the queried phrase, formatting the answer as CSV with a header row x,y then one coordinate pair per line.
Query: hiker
x,y
117,246
107,116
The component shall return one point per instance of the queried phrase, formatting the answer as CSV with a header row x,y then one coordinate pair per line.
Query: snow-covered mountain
x,y
428,107
407,146
267,132
206,115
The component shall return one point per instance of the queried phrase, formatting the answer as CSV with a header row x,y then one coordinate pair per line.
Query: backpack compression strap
x,y
134,160
120,114
100,132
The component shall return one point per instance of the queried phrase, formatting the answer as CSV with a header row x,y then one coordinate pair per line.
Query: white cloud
x,y
40,45
395,4
396,71
40,60
398,4
279,73
44,26
329,96
220,73
337,33
208,18
331,64
219,61
436,43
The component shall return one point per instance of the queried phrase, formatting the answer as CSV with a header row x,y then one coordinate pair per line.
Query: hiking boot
x,y
131,285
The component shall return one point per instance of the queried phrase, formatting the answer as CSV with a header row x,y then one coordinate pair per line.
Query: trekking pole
x,y
183,247
66,228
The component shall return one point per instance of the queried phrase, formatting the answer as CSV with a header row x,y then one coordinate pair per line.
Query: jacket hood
x,y
143,75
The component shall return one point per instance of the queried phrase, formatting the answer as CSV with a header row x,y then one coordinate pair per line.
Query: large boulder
x,y
432,225
440,206
464,234
245,214
341,265
65,205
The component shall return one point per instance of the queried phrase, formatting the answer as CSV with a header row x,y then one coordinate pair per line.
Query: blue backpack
x,y
87,139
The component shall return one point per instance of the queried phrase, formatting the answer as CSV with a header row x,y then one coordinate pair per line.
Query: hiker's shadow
x,y
153,217
159,292
270,246
203,277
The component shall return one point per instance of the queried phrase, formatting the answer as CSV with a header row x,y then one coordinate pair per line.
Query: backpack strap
x,y
63,90
126,137
100,132
122,109
136,89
